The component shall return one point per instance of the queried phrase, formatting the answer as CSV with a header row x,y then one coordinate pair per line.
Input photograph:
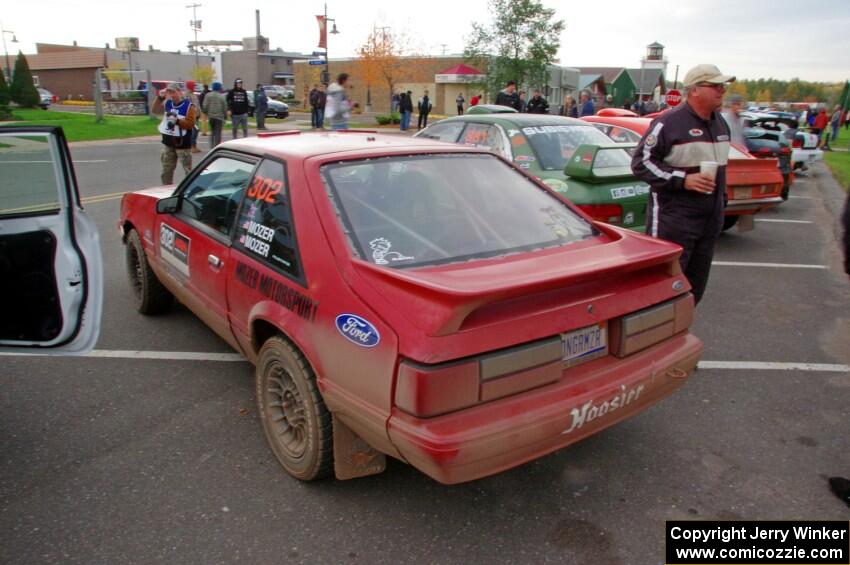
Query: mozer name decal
x,y
357,330
591,410
273,289
174,247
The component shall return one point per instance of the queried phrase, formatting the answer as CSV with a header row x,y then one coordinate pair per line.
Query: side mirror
x,y
168,205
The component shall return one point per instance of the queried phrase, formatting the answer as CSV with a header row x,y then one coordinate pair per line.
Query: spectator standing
x,y
190,94
459,102
835,121
405,106
204,119
261,105
568,108
237,105
215,107
394,102
845,220
321,101
587,108
819,125
732,113
686,204
424,106
537,104
314,106
337,104
178,123
847,120
509,97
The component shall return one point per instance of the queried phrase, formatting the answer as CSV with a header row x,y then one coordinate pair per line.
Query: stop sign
x,y
673,98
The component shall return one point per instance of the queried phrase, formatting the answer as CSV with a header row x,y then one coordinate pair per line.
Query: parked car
x,y
278,92
570,156
767,132
45,98
275,109
410,298
752,185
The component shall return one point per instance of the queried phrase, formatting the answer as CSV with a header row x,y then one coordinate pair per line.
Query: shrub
x,y
394,118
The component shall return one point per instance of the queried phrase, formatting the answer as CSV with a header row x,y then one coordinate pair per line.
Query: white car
x,y
804,145
51,272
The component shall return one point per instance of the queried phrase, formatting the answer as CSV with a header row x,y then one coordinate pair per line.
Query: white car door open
x,y
51,274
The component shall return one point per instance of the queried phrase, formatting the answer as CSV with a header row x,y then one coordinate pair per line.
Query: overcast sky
x,y
751,39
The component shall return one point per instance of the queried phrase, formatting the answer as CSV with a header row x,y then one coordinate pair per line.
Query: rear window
x,y
555,144
433,209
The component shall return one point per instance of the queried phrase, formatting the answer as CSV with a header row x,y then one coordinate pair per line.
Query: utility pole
x,y
333,31
6,53
196,27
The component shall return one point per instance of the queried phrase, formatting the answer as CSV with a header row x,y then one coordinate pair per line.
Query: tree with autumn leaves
x,y
380,61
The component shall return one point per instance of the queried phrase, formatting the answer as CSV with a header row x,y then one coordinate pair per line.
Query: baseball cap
x,y
706,73
173,86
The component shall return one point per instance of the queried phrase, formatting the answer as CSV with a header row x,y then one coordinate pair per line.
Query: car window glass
x,y
29,184
446,131
554,144
413,211
265,230
214,194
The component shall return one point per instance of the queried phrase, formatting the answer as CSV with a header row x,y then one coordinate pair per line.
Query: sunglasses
x,y
720,86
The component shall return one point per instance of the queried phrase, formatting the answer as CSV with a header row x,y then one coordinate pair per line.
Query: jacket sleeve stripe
x,y
652,167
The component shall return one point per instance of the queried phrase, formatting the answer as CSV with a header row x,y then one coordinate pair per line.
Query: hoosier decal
x,y
591,410
174,248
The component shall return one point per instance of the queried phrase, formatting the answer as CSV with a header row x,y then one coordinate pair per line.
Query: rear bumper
x,y
751,205
480,441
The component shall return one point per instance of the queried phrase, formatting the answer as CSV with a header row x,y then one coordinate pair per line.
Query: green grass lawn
x,y
839,161
84,126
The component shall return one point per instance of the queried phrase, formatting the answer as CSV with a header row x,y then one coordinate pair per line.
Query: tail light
x,y
608,213
644,328
785,150
430,390
797,143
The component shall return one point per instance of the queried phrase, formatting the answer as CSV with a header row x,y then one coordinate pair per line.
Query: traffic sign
x,y
673,98
314,62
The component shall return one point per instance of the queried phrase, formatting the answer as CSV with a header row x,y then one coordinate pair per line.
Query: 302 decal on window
x,y
265,189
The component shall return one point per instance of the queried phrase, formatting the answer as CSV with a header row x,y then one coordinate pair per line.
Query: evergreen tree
x,y
23,90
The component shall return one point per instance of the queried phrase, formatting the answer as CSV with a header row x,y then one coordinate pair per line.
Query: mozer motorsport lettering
x,y
273,289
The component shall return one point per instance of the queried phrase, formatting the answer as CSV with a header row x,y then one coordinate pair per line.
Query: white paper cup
x,y
708,168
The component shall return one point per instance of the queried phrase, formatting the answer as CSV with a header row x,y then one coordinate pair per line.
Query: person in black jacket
x,y
686,205
509,97
845,219
537,104
405,106
237,105
424,106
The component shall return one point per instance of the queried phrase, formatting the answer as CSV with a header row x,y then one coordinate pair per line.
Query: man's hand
x,y
699,182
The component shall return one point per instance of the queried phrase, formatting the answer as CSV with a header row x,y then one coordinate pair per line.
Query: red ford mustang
x,y
410,298
752,185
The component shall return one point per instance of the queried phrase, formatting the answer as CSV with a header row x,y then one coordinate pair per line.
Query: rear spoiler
x,y
583,163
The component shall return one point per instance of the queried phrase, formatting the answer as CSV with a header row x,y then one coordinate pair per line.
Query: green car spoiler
x,y
587,163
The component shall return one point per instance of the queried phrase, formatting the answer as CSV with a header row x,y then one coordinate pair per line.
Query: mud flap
x,y
746,223
353,457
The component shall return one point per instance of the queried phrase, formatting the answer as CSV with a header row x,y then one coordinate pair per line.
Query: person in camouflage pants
x,y
178,123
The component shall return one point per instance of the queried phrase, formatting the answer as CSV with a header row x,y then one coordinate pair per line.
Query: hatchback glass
x,y
555,144
433,209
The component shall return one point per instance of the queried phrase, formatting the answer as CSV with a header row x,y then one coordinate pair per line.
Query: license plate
x,y
585,344
742,193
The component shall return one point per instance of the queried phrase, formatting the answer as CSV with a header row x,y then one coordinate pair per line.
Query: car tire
x,y
151,297
729,222
297,423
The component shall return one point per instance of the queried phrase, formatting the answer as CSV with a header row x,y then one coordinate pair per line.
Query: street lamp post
x,y
334,31
6,52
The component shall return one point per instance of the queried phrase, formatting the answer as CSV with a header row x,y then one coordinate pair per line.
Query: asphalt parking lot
x,y
151,451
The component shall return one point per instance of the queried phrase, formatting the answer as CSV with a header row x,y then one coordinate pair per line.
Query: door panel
x,y
51,279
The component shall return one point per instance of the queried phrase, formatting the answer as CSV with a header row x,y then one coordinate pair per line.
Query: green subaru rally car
x,y
570,156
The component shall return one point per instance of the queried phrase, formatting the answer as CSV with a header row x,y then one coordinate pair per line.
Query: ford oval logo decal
x,y
678,285
357,330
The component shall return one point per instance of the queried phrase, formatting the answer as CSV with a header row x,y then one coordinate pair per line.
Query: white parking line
x,y
768,265
236,358
802,197
768,366
785,221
